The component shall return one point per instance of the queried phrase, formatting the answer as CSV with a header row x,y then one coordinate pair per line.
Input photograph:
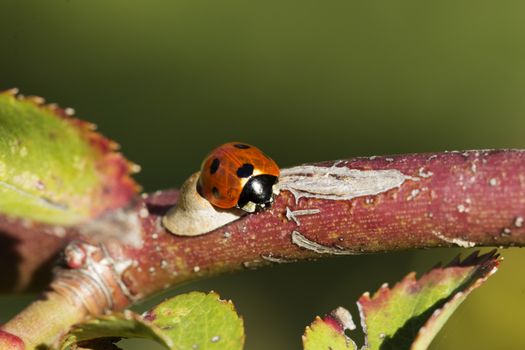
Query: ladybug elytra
x,y
239,175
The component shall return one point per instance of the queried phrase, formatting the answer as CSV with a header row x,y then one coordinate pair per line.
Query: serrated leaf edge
x,y
451,301
71,337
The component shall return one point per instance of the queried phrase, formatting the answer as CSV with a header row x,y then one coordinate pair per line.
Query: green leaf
x,y
119,325
55,168
486,266
189,321
199,321
409,315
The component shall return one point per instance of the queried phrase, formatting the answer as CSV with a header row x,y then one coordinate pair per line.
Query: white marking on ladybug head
x,y
249,207
275,190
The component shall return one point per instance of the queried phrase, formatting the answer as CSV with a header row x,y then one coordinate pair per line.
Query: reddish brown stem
x,y
450,199
363,205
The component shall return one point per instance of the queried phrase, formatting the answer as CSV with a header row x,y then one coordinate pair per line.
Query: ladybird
x,y
238,175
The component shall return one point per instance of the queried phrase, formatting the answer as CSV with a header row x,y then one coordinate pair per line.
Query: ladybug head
x,y
257,193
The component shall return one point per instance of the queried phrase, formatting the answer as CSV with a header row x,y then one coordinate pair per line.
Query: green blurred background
x,y
305,81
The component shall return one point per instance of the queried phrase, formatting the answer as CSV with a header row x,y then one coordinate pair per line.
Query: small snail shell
x,y
193,215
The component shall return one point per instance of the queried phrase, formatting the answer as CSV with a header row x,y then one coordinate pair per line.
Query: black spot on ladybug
x,y
215,192
241,146
246,170
214,166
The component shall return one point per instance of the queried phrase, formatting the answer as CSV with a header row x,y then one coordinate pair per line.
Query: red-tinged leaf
x,y
440,315
54,168
409,315
329,332
10,341
393,317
